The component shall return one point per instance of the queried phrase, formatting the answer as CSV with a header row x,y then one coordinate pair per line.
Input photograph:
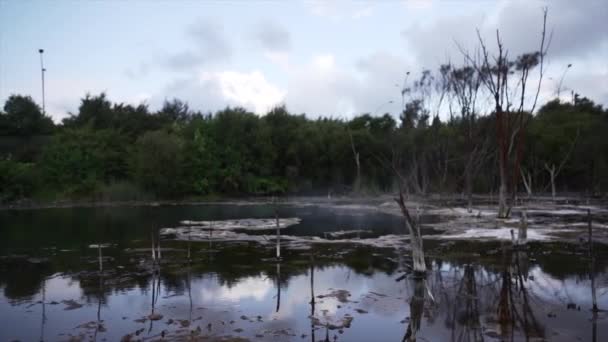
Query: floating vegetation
x,y
243,224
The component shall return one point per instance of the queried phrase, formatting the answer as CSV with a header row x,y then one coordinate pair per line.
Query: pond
x,y
91,274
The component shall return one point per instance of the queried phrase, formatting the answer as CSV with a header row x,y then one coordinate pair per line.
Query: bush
x,y
17,180
157,162
121,191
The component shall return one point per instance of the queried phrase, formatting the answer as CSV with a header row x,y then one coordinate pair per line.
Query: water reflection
x,y
471,302
111,282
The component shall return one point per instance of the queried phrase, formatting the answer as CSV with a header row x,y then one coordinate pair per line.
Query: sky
x,y
322,58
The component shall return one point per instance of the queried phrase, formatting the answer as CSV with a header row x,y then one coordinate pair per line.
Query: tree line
x,y
119,151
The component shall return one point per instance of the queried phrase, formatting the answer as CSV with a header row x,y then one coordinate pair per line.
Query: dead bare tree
x,y
509,100
411,225
526,177
465,83
275,203
554,171
357,185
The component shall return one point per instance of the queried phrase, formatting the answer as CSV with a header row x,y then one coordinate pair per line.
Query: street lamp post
x,y
42,70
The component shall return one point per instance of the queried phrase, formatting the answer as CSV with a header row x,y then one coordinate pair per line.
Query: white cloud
x,y
250,90
338,10
324,62
214,90
327,87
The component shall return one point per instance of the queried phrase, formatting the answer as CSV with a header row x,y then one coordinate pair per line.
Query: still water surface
x,y
52,288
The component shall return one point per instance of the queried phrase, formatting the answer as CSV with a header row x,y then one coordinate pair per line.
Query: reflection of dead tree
x,y
189,279
416,310
155,294
43,321
278,286
312,295
514,309
530,325
467,302
594,309
99,327
505,318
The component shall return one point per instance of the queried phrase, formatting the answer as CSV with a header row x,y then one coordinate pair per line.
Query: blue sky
x,y
335,58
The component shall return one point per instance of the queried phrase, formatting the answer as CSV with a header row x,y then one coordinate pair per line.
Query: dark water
x,y
51,286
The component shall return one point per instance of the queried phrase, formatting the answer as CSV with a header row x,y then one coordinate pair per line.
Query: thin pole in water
x,y
276,216
100,257
592,263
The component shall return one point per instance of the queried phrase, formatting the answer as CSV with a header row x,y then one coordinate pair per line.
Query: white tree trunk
x,y
278,237
100,257
469,190
522,236
527,179
552,176
189,238
419,266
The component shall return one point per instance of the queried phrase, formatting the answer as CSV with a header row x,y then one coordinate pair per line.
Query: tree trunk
x,y
189,238
522,236
153,248
358,180
552,175
100,257
158,250
503,210
278,235
357,185
527,179
469,190
419,265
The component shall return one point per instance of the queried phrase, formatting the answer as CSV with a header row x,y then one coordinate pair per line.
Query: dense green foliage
x,y
178,153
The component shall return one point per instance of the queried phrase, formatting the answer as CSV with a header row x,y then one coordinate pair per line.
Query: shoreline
x,y
436,198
